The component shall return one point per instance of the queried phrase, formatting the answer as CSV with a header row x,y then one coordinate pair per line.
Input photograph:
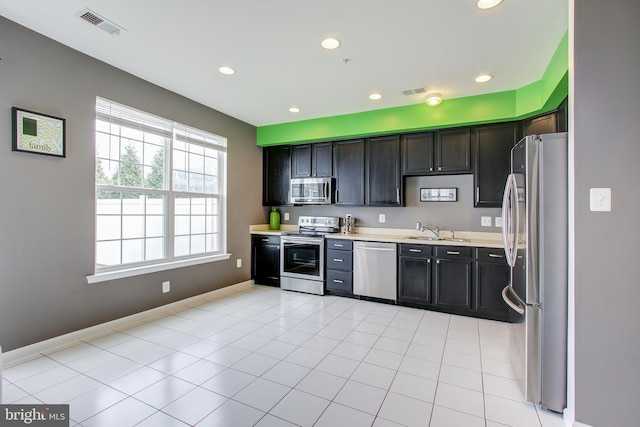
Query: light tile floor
x,y
265,357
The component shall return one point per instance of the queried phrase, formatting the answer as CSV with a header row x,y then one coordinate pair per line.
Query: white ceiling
x,y
275,47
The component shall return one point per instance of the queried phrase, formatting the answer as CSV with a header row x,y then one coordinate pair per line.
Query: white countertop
x,y
399,235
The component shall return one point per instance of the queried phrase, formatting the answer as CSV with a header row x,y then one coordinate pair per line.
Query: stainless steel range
x,y
302,254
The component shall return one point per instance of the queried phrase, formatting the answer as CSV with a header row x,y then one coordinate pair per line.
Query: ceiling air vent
x,y
414,91
101,22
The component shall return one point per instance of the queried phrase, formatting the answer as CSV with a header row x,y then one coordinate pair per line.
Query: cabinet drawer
x,y
415,250
342,245
490,255
265,239
339,281
339,260
454,252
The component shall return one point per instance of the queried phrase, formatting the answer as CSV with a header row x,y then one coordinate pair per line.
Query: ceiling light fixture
x,y
294,110
433,99
488,4
227,70
330,43
375,96
482,78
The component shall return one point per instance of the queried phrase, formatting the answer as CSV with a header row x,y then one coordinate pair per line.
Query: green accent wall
x,y
538,97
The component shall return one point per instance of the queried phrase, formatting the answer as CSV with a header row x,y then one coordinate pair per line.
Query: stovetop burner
x,y
315,226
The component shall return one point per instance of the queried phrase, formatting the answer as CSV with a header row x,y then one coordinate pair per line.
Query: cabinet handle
x,y
477,194
430,169
397,195
428,260
437,261
338,260
338,281
439,168
265,240
419,251
453,253
338,245
496,256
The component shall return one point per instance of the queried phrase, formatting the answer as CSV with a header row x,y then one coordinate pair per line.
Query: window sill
x,y
137,271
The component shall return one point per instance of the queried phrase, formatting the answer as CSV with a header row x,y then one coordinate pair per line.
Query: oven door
x,y
302,257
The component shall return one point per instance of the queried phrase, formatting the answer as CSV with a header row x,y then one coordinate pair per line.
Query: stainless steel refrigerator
x,y
535,232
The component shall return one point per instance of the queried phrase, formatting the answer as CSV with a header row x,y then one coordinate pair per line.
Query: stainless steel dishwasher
x,y
374,270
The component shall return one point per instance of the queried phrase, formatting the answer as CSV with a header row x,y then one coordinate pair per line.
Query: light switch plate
x,y
382,218
485,221
498,221
600,200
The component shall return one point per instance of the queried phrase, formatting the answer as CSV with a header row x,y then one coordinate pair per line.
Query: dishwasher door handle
x,y
373,248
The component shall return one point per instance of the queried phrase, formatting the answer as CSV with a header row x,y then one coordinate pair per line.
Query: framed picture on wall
x,y
37,133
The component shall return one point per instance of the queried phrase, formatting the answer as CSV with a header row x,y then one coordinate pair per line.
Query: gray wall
x,y
47,214
460,215
606,126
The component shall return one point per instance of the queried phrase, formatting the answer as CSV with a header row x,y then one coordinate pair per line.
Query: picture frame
x,y
438,194
38,133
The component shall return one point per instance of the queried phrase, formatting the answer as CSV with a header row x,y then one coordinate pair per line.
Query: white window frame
x,y
199,138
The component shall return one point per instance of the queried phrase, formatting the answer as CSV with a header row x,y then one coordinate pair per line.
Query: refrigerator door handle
x,y
518,305
509,211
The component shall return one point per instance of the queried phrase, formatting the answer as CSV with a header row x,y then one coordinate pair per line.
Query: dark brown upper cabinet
x,y
493,144
547,123
440,152
348,169
383,177
276,175
312,160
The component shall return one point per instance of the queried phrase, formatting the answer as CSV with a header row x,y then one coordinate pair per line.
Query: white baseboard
x,y
32,351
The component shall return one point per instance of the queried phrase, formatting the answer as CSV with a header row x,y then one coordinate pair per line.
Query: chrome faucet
x,y
435,231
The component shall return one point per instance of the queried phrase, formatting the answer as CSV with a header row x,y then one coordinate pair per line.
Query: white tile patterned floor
x,y
265,357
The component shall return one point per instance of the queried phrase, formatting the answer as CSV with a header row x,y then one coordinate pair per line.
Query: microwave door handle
x,y
326,190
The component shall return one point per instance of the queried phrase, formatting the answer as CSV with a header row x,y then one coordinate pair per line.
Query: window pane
x,y
132,226
198,245
197,224
196,163
211,166
182,206
107,253
212,242
181,225
155,205
180,181
196,182
132,203
181,245
210,184
155,226
154,248
132,251
108,227
179,160
198,206
108,203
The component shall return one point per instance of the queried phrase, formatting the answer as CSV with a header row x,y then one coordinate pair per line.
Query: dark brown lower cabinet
x,y
414,274
265,259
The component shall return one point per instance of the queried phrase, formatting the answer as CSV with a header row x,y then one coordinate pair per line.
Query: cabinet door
x,y
265,260
417,154
454,150
492,162
414,284
491,278
322,159
301,161
383,177
348,166
453,283
276,176
540,125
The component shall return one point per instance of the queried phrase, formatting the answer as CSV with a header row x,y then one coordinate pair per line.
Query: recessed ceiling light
x,y
433,99
483,78
227,70
375,96
330,43
488,4
294,110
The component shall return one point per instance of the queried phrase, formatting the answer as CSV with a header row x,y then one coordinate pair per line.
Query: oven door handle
x,y
297,240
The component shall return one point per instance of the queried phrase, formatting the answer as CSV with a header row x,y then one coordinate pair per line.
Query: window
x,y
160,190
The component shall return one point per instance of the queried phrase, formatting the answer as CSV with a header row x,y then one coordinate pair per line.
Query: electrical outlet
x,y
382,218
348,216
485,221
498,221
239,263
166,287
286,216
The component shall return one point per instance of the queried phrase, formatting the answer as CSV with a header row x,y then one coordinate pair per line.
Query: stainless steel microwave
x,y
311,191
